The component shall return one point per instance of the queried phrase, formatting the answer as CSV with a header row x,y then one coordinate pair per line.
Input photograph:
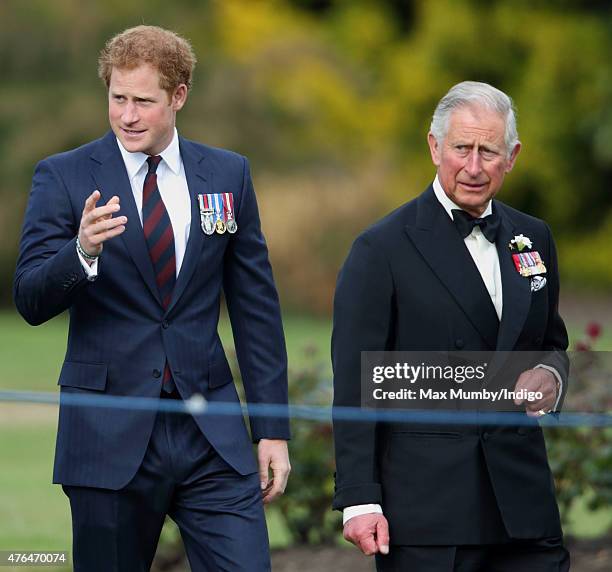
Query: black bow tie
x,y
465,223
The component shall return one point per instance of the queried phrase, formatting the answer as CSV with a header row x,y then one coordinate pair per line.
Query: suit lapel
x,y
197,182
515,288
438,241
111,178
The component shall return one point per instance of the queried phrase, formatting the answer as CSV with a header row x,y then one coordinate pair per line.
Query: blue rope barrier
x,y
197,405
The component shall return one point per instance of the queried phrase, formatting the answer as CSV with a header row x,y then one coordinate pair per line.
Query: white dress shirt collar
x,y
171,156
448,204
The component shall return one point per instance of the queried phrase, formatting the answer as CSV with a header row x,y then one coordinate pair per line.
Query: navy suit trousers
x,y
218,511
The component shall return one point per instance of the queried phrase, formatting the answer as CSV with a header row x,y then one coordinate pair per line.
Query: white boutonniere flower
x,y
521,242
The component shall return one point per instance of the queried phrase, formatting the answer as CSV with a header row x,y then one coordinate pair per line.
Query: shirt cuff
x,y
559,380
359,509
90,271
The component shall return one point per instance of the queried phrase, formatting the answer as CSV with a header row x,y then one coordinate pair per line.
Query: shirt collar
x,y
448,204
171,156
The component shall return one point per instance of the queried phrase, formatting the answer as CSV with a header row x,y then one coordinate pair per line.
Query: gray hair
x,y
470,93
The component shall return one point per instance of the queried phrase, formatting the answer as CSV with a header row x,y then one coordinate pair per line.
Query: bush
x,y
306,505
581,458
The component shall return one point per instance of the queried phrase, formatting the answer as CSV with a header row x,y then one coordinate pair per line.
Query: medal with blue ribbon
x,y
220,226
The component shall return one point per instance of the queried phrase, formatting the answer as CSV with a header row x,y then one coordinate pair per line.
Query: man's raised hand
x,y
98,223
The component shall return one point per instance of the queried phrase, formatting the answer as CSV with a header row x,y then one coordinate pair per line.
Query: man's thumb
x,y
382,536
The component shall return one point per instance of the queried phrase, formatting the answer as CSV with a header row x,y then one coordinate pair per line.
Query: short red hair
x,y
166,51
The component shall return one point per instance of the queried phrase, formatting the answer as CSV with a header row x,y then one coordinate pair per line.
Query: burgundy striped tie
x,y
160,240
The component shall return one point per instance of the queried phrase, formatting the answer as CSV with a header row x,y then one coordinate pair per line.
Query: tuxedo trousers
x,y
541,555
218,511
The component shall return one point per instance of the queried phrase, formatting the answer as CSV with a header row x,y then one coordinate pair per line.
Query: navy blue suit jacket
x,y
120,336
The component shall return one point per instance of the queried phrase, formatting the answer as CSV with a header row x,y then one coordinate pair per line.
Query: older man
x,y
137,234
438,274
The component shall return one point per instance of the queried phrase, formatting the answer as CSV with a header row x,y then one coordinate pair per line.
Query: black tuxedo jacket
x,y
410,284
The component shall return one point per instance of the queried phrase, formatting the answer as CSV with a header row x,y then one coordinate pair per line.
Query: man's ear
x,y
179,97
434,149
513,156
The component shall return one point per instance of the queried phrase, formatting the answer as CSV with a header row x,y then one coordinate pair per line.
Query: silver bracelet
x,y
84,254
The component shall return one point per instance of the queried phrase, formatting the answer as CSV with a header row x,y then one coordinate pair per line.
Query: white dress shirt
x,y
172,185
484,253
486,259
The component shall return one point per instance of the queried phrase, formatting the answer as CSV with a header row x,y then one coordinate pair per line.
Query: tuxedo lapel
x,y
515,288
438,241
111,178
197,182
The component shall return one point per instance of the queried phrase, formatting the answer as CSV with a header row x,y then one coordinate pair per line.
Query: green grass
x,y
588,524
303,335
31,357
34,514
39,512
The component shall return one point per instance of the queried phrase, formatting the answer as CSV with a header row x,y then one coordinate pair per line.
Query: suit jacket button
x,y
485,435
156,373
459,343
165,324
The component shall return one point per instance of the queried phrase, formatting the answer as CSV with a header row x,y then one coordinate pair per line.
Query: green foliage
x,y
581,458
306,505
331,100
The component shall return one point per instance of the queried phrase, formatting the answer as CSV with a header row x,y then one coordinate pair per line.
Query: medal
x,y
206,214
228,206
219,214
529,263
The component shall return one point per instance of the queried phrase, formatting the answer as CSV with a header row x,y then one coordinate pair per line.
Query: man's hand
x,y
98,224
273,454
369,532
537,379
